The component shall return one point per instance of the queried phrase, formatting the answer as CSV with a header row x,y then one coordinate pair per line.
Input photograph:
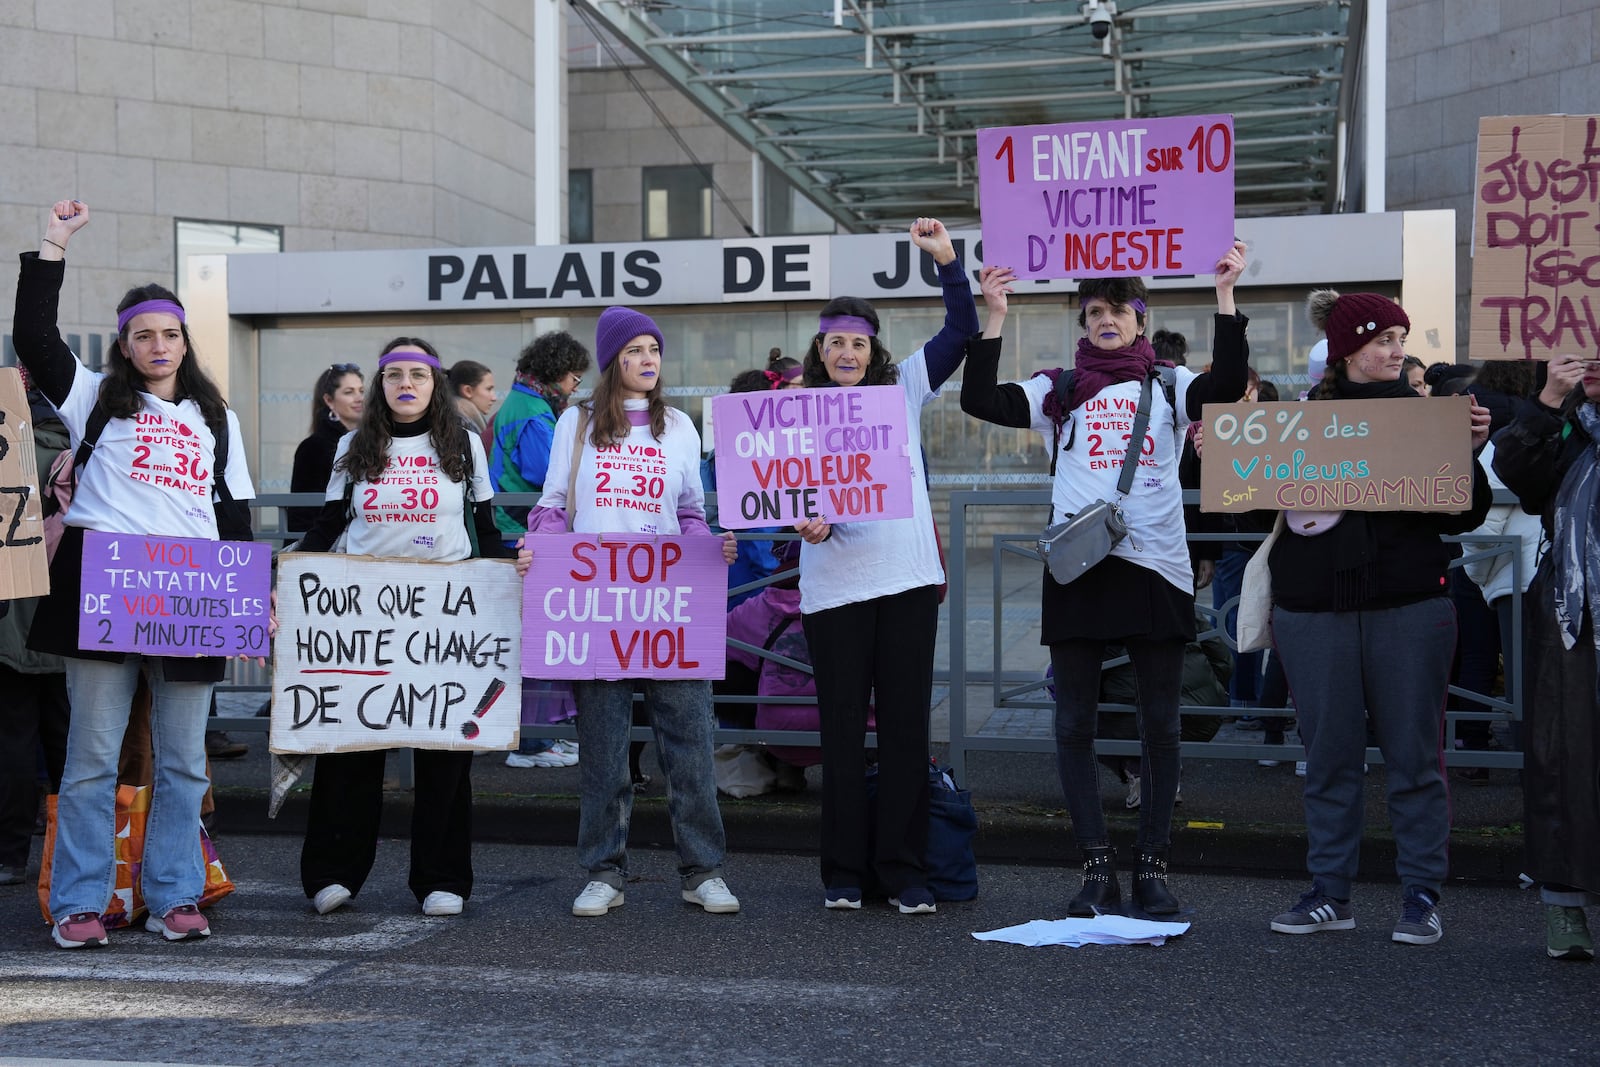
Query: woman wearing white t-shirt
x,y
628,412
869,602
1142,595
154,473
409,433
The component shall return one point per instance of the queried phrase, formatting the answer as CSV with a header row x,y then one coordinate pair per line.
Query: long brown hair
x,y
608,419
369,449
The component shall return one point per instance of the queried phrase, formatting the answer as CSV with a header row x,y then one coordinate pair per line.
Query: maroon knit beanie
x,y
617,326
1351,319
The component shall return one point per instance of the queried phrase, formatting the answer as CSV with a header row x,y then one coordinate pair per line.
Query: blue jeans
x,y
1244,688
680,714
172,872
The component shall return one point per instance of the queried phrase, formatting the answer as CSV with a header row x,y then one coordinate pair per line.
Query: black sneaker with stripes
x,y
1315,912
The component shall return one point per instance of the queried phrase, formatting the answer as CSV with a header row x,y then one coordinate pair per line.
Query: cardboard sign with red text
x,y
1350,455
614,606
793,454
1536,238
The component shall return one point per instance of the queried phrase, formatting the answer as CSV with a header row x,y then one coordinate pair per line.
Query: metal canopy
x,y
870,107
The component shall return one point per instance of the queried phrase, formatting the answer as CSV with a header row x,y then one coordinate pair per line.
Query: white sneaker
x,y
330,898
713,895
550,757
568,749
1133,799
439,902
597,898
1300,768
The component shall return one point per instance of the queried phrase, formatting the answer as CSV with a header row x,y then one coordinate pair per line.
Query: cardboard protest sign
x,y
24,569
174,596
1355,455
793,454
625,606
1536,238
395,653
1147,196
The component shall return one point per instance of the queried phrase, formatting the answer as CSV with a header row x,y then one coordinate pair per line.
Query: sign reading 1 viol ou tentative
x,y
1096,199
837,454
174,596
1391,454
625,606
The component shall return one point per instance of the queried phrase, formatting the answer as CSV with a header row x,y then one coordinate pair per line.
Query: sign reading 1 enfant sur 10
x,y
1096,199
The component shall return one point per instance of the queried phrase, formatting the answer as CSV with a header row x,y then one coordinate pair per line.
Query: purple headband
x,y
1137,305
406,354
166,307
792,373
846,324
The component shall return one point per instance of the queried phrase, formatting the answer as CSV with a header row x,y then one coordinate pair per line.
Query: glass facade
x,y
707,345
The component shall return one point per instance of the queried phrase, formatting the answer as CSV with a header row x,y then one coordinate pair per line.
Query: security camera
x,y
1100,23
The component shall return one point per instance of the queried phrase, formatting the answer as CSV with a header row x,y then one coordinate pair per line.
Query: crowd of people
x,y
855,602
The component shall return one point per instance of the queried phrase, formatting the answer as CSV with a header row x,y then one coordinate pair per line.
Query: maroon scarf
x,y
1095,368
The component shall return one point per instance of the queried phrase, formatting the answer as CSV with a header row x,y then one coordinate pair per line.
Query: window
x,y
580,206
202,237
677,202
786,211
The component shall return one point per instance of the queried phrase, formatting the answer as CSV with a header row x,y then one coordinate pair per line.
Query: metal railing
x,y
1009,688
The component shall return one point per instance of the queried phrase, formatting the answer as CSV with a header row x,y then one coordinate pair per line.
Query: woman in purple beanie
x,y
1350,589
582,495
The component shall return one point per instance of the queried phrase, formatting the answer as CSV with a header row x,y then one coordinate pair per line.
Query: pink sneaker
x,y
83,930
183,921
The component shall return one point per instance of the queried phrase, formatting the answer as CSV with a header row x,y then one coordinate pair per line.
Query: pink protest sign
x,y
174,596
840,454
1097,199
625,606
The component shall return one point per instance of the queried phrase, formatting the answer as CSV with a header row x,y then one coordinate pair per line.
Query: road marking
x,y
202,969
389,932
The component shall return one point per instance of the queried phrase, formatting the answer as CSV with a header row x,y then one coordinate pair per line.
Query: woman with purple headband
x,y
869,603
155,472
1141,596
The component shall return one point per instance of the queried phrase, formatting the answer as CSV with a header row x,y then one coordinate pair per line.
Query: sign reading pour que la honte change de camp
x,y
1147,197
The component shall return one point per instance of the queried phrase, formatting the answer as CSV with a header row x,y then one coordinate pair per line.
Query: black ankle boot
x,y
1099,892
1150,892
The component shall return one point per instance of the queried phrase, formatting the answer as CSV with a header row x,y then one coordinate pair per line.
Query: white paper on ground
x,y
1075,933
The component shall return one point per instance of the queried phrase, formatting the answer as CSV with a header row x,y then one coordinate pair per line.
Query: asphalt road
x,y
517,980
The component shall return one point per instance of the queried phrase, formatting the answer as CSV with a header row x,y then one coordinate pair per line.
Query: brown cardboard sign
x,y
1536,237
24,569
1392,454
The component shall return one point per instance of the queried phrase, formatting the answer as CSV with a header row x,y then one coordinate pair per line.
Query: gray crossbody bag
x,y
1071,547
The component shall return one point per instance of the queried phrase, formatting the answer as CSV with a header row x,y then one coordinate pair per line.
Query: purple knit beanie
x,y
617,326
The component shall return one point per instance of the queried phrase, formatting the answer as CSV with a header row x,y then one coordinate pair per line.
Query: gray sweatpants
x,y
1393,663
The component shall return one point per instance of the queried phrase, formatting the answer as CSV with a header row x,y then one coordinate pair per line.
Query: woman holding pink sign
x,y
409,434
168,461
869,602
1141,595
586,491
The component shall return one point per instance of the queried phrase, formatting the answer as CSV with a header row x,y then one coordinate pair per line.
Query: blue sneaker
x,y
1315,912
1419,918
842,899
917,900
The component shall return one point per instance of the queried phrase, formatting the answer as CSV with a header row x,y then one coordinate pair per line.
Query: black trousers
x,y
34,713
877,653
347,801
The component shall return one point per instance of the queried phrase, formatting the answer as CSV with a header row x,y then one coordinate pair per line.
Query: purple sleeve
x,y
945,350
691,522
547,520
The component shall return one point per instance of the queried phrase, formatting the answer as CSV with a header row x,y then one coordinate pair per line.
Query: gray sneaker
x,y
1315,912
1419,918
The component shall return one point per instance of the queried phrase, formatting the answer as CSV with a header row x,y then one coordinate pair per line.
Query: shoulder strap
x,y
572,468
466,504
1063,394
1169,385
220,435
784,622
1141,425
98,418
